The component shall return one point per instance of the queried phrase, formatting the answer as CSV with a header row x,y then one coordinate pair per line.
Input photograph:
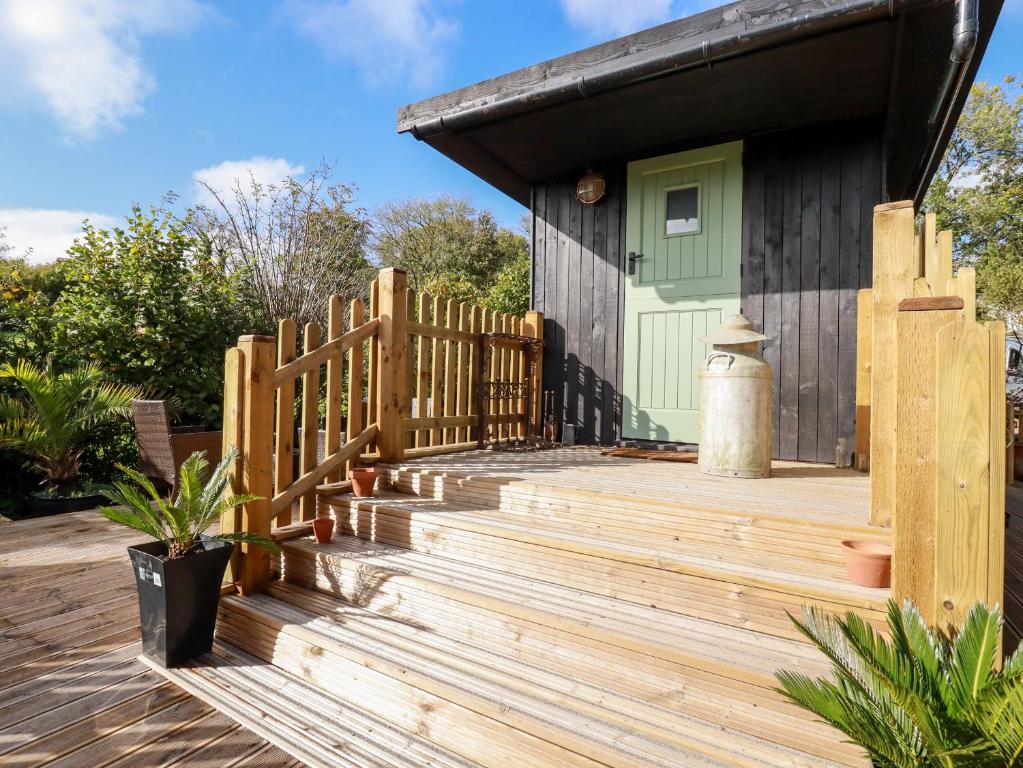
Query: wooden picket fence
x,y
931,419
415,369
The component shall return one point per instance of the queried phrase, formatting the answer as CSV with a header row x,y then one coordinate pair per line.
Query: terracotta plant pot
x,y
869,563
363,481
323,528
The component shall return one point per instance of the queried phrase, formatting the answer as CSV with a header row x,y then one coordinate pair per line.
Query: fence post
x,y
392,378
533,328
234,403
257,453
915,458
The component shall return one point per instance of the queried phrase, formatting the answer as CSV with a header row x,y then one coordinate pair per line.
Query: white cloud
x,y
389,42
222,177
48,233
613,18
82,58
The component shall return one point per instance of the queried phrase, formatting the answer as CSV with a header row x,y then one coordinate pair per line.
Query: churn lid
x,y
735,330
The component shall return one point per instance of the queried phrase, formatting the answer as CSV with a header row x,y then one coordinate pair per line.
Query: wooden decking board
x,y
798,491
676,501
479,727
71,693
667,688
752,556
472,676
372,568
737,592
322,729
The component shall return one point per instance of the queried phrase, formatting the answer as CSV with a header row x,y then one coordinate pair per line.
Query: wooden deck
x,y
536,609
72,693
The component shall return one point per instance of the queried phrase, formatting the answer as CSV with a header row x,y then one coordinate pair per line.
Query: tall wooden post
x,y
895,268
257,452
234,404
392,378
333,422
356,416
533,328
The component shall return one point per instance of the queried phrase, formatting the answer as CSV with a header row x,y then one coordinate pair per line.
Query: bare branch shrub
x,y
296,243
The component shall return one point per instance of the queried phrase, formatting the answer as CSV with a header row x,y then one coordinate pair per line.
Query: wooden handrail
x,y
437,332
311,479
322,354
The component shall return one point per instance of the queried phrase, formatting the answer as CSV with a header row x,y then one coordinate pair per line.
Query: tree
x,y
444,241
149,304
510,291
295,244
978,194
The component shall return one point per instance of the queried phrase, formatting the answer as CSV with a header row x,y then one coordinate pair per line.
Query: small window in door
x,y
682,210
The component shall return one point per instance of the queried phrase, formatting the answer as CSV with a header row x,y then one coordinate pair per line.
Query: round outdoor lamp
x,y
590,188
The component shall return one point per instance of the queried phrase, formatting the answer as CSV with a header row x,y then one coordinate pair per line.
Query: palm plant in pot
x,y
179,574
52,419
924,698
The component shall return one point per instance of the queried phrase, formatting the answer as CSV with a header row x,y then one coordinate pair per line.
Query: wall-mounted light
x,y
590,188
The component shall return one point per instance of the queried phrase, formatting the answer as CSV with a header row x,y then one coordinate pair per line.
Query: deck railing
x,y
422,356
934,417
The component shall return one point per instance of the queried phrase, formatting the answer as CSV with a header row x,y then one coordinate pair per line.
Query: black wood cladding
x,y
808,198
578,285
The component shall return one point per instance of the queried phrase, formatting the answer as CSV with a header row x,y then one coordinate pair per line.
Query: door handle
x,y
633,258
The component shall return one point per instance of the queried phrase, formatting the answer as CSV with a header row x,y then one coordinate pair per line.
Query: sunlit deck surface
x,y
818,492
72,693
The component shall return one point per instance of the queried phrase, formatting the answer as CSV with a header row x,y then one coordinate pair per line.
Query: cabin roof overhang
x,y
738,70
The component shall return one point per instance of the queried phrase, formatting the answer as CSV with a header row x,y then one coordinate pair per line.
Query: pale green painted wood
x,y
682,290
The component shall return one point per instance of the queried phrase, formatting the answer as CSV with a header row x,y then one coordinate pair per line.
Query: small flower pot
x,y
178,599
363,481
869,563
323,529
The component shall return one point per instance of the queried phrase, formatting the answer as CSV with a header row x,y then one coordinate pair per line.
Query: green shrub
x,y
925,698
149,305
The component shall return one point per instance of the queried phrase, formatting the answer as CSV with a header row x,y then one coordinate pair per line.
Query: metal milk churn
x,y
735,403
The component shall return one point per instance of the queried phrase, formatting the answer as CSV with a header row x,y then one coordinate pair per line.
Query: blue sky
x,y
106,102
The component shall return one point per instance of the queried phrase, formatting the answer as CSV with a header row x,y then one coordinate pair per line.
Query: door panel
x,y
684,217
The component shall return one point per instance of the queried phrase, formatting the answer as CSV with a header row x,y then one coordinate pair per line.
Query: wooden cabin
x,y
492,605
742,150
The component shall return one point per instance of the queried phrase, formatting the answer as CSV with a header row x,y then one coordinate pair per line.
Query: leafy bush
x,y
180,524
53,418
923,698
153,308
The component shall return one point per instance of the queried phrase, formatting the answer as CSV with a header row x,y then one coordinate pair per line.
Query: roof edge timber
x,y
737,38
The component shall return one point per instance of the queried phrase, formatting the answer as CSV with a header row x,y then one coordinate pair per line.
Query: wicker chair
x,y
163,449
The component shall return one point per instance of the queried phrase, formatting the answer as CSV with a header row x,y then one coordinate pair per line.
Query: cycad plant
x,y
181,523
54,414
924,697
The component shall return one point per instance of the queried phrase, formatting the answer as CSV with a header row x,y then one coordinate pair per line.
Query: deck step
x,y
726,590
698,668
803,545
469,698
319,729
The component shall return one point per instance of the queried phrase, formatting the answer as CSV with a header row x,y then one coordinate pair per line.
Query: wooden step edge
x,y
593,631
511,482
307,735
766,716
814,588
576,725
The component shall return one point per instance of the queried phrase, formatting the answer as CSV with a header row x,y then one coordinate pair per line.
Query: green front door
x,y
683,224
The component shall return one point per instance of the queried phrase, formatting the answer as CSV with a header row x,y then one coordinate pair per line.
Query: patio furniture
x,y
162,448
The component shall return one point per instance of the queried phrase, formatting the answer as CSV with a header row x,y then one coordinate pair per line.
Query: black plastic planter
x,y
178,599
44,506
